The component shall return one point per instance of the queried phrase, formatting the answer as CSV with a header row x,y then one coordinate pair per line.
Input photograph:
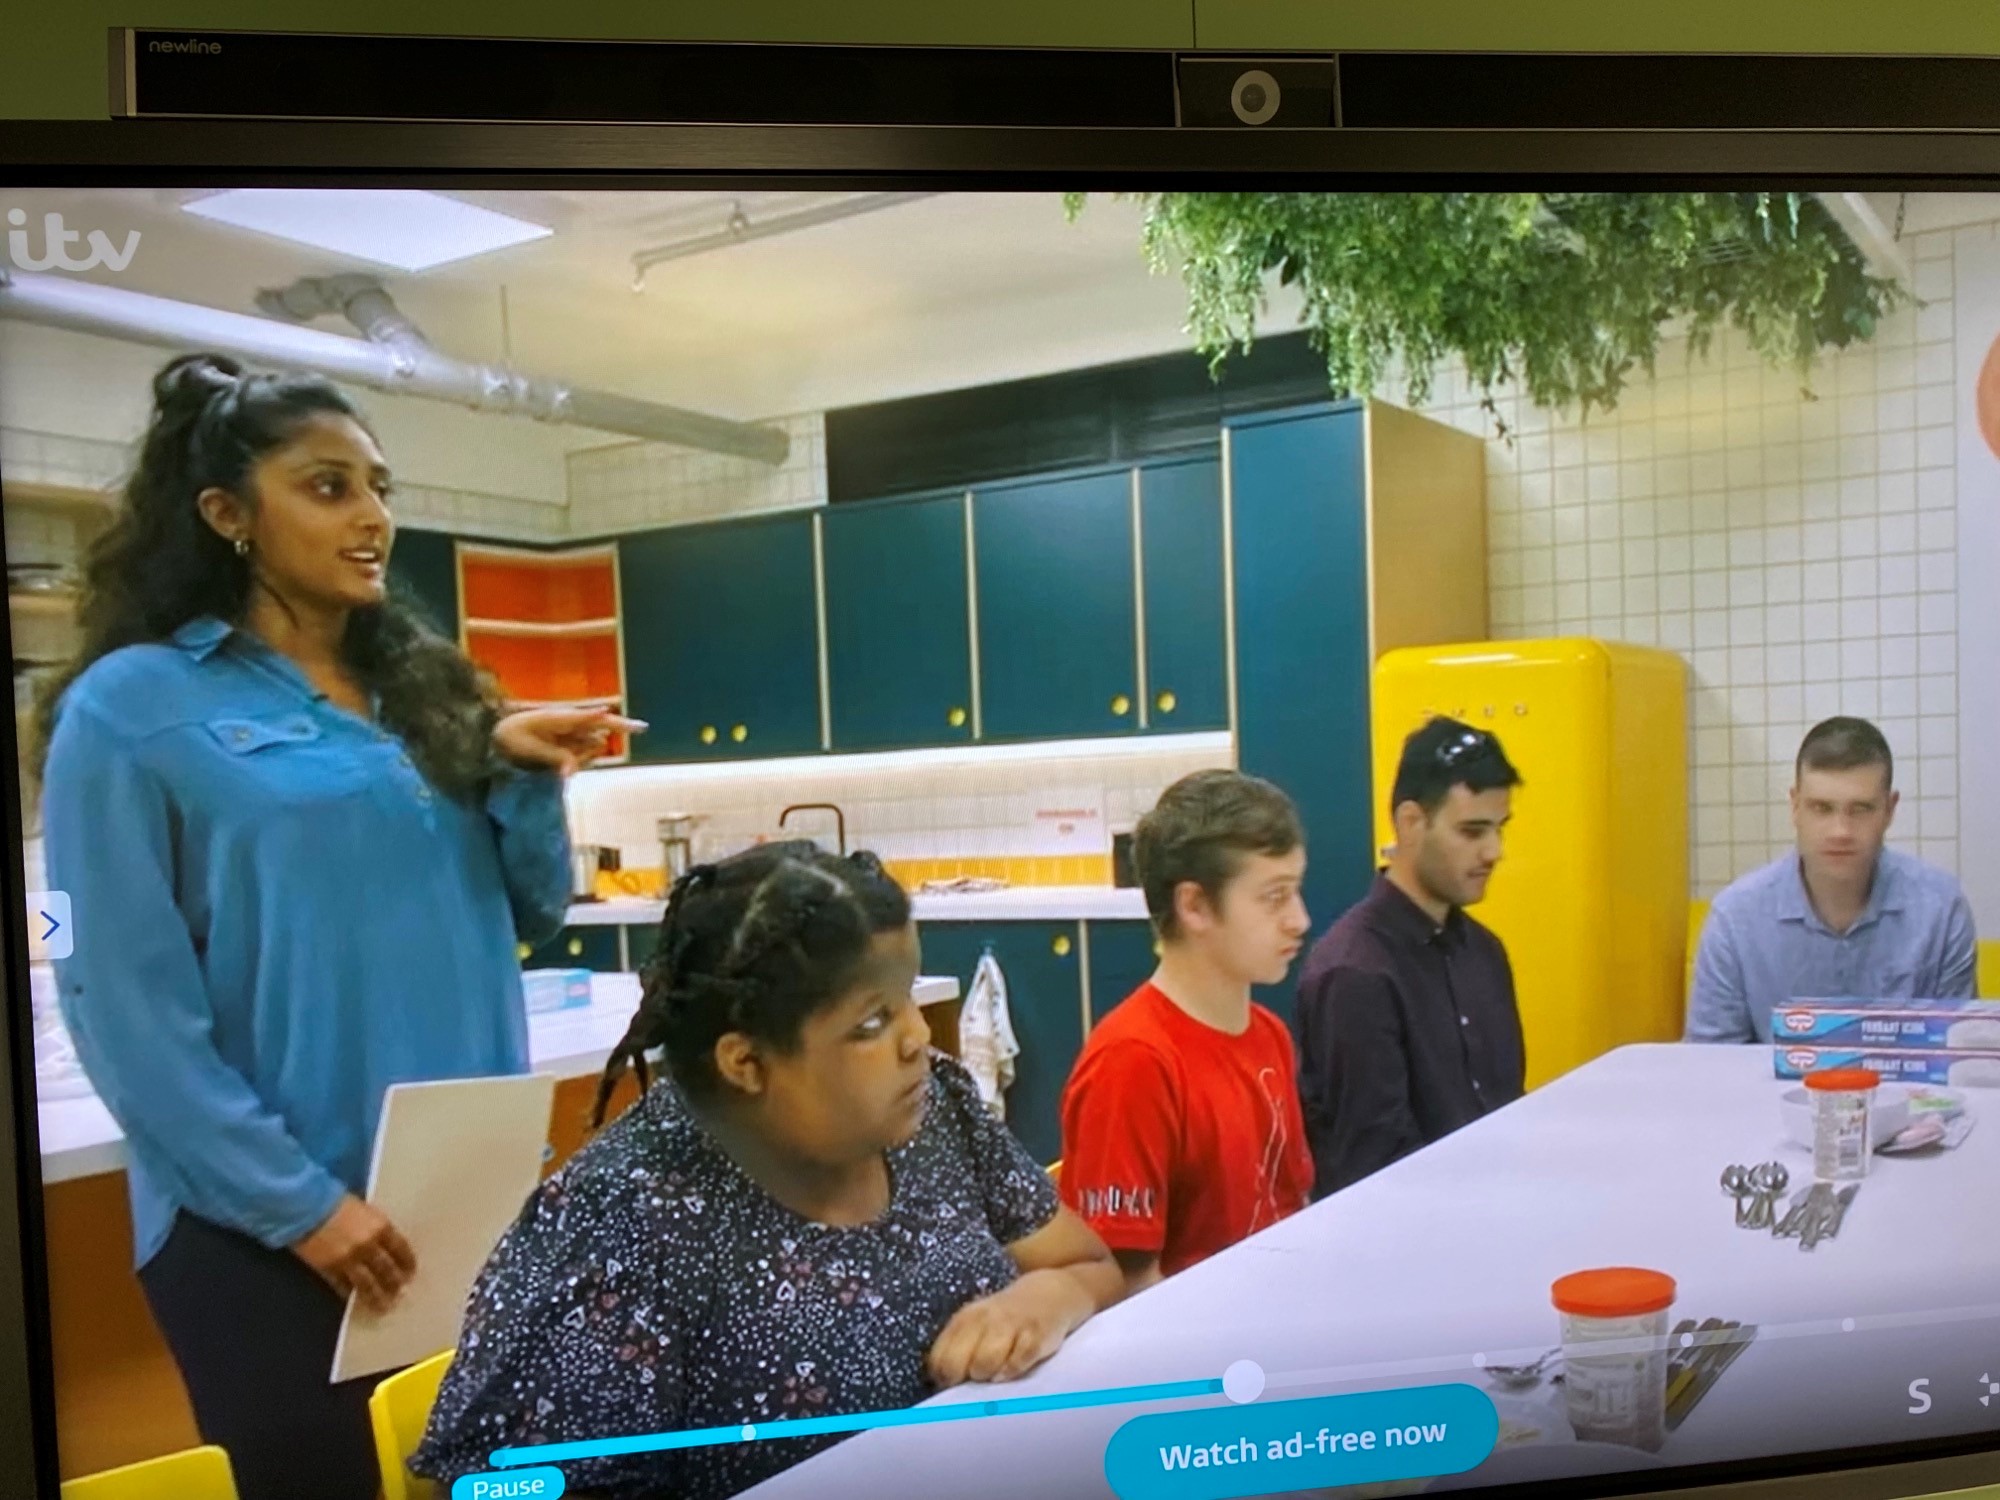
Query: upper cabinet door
x,y
722,639
1180,540
1058,613
898,643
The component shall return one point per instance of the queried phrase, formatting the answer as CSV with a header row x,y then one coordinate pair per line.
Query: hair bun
x,y
193,380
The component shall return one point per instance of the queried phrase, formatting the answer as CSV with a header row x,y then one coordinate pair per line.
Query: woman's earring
x,y
243,546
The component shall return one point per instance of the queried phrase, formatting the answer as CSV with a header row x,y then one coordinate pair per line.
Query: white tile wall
x,y
1799,551
629,486
958,811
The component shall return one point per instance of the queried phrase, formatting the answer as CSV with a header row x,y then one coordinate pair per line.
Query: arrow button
x,y
50,932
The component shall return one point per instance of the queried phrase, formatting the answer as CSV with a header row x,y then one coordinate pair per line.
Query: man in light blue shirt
x,y
1842,917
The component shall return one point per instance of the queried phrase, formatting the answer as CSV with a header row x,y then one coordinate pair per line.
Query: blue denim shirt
x,y
276,918
1764,946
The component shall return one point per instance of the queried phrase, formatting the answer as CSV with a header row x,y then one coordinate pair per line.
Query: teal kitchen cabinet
x,y
1042,963
721,635
1058,607
424,564
898,637
1300,515
594,948
1123,956
1180,543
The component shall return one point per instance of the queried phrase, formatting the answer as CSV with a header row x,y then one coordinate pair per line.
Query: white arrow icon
x,y
1992,1389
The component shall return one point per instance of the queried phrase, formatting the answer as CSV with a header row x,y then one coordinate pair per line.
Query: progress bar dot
x,y
749,1433
1847,1325
1243,1381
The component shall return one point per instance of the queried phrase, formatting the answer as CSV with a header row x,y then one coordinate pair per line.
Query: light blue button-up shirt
x,y
1764,946
276,918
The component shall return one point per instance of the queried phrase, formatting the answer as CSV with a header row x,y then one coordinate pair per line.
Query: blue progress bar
x,y
908,1416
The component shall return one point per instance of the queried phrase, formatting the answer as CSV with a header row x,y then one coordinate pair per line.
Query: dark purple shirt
x,y
1406,1030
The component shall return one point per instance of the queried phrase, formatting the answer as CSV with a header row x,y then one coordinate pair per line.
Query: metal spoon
x,y
1519,1376
1736,1183
1768,1179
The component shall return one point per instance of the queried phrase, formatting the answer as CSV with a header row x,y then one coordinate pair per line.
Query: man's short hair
x,y
1444,754
1202,829
1844,744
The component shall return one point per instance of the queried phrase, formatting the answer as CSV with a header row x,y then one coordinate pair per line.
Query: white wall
x,y
1803,554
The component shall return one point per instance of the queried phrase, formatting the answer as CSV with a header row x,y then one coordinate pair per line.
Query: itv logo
x,y
57,238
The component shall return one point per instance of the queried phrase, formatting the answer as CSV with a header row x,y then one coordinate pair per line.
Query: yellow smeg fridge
x,y
1591,897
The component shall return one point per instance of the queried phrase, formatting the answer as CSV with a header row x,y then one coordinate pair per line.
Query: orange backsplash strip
x,y
1068,869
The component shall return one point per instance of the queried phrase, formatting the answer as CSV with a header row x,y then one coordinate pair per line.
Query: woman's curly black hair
x,y
754,944
160,565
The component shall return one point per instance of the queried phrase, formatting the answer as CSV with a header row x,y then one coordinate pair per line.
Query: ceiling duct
x,y
395,357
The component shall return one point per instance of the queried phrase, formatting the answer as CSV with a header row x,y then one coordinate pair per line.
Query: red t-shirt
x,y
1179,1138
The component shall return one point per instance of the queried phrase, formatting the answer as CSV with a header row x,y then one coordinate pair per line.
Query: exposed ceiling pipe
x,y
742,227
405,365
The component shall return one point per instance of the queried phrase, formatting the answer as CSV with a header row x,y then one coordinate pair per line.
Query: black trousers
x,y
253,1332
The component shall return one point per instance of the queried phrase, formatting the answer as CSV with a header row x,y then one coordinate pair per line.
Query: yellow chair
x,y
398,1410
197,1474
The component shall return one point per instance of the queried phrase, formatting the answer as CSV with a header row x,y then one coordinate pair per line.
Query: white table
x,y
80,1139
1404,1278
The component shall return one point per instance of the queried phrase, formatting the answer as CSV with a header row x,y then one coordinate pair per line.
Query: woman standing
x,y
301,840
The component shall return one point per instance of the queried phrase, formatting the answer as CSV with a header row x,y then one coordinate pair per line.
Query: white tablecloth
x,y
1407,1277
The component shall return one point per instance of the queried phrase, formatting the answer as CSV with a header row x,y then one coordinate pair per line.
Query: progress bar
x,y
907,1416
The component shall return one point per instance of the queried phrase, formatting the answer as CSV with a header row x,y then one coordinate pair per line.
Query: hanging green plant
x,y
1566,293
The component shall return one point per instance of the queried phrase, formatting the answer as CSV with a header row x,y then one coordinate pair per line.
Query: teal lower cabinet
x,y
1122,957
1043,966
594,948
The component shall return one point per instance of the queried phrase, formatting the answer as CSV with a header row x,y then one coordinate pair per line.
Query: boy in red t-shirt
x,y
1182,1132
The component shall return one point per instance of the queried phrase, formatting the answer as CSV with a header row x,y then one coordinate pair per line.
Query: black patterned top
x,y
651,1285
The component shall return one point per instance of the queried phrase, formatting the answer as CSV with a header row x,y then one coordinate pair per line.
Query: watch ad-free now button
x,y
1320,1442
49,931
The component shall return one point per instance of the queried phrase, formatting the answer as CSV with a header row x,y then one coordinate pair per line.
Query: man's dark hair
x,y
1444,754
1201,829
1844,744
754,944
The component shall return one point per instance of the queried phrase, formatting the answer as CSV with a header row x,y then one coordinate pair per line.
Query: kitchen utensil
x,y
1689,1346
1768,1179
1521,1376
676,835
584,862
1722,1352
1839,1212
1803,1203
1736,1183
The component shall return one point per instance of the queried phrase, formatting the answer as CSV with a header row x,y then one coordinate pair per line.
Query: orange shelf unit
x,y
547,625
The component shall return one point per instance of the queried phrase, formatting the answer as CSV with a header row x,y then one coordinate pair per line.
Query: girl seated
x,y
813,1215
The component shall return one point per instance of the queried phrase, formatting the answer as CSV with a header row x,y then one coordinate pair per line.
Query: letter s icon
x,y
1920,1397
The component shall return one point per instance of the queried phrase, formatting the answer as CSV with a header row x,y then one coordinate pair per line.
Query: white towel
x,y
986,1043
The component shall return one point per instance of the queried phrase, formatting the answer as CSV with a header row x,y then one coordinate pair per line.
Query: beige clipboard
x,y
454,1162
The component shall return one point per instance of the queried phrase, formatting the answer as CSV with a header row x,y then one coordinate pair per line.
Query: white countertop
x,y
1406,1277
80,1139
1021,903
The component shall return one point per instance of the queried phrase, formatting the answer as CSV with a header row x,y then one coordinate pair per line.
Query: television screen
x,y
1099,835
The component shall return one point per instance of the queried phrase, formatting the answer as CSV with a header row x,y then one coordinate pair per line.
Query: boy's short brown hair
x,y
1201,829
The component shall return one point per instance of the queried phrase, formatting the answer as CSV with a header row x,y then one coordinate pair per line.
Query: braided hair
x,y
160,565
754,944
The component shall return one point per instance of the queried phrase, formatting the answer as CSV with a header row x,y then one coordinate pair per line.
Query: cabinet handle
x,y
521,951
1166,703
708,734
575,947
956,718
740,733
1060,947
1121,705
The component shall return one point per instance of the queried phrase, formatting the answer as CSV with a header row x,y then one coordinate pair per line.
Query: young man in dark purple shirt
x,y
1406,1019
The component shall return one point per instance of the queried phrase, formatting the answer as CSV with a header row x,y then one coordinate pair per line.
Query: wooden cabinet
x,y
1058,607
722,638
546,624
590,947
898,637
